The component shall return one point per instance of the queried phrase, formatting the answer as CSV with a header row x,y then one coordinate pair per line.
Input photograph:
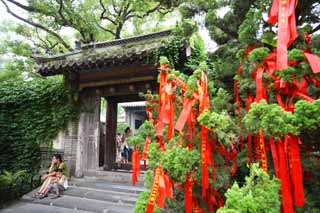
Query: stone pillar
x,y
111,130
88,133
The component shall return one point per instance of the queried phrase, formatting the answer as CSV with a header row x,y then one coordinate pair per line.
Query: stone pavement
x,y
84,195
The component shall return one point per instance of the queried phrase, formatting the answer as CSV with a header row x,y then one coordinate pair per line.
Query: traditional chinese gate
x,y
117,71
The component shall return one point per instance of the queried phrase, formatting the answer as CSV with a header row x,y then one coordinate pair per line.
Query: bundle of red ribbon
x,y
285,151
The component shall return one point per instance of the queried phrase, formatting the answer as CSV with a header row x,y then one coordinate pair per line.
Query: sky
x,y
210,44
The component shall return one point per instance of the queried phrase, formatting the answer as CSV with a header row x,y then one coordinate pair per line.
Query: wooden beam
x,y
118,81
117,72
127,89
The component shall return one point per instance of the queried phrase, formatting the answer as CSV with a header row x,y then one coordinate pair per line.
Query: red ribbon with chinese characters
x,y
154,191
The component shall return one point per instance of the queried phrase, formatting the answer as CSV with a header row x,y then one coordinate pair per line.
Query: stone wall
x,y
66,143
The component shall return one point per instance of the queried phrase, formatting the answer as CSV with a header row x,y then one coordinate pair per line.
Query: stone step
x,y
23,207
106,185
120,176
84,204
103,195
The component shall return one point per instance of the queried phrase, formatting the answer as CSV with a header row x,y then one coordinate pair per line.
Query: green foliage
x,y
171,51
221,101
9,178
178,161
268,38
221,124
295,54
260,116
260,193
31,115
307,115
121,127
90,20
15,184
9,75
164,60
198,52
154,155
142,202
258,55
249,28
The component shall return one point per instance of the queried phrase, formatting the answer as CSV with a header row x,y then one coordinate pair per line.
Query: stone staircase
x,y
85,195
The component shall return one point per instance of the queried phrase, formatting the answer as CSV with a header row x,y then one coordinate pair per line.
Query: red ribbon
x,y
168,183
249,101
162,190
275,155
154,191
295,170
314,62
283,12
260,91
145,148
287,204
188,193
263,153
135,165
185,114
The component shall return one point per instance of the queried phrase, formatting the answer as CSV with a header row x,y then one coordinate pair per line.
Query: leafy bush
x,y
31,115
142,202
13,185
260,193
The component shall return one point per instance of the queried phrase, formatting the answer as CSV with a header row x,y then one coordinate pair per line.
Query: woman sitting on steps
x,y
56,163
57,185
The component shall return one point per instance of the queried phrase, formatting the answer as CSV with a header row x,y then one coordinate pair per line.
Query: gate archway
x,y
117,71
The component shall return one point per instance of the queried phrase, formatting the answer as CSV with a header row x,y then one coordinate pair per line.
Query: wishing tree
x,y
192,140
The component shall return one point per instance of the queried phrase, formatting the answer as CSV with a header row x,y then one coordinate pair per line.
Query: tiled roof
x,y
101,54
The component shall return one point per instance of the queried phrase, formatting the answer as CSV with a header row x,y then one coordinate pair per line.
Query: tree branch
x,y
105,29
104,10
27,8
315,29
152,10
114,7
37,25
66,21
